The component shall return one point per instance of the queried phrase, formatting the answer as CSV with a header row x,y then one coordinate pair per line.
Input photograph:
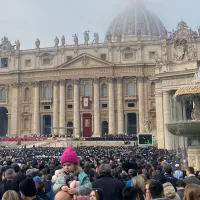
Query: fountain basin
x,y
184,128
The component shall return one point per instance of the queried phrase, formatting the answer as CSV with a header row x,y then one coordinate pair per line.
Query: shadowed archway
x,y
3,122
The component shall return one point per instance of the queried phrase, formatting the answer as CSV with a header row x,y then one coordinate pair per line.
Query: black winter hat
x,y
27,187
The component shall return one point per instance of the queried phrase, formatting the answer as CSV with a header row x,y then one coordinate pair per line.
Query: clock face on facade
x,y
4,48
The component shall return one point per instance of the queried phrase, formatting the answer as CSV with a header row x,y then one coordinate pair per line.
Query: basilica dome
x,y
137,19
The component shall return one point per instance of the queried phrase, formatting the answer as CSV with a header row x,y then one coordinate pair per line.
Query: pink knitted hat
x,y
69,156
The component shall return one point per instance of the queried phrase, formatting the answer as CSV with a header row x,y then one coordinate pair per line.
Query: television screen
x,y
145,139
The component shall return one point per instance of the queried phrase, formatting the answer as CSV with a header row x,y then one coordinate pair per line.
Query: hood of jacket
x,y
170,192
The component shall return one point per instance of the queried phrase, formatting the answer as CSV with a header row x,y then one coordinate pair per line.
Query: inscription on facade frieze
x,y
177,81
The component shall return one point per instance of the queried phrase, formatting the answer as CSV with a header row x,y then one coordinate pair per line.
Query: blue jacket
x,y
171,179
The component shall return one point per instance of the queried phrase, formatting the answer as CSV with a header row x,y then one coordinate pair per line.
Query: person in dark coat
x,y
111,187
40,191
180,186
168,175
9,183
191,178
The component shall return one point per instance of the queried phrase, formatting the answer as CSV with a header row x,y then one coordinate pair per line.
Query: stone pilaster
x,y
159,120
55,108
146,98
36,110
141,103
96,108
14,110
76,109
120,114
111,106
62,107
166,113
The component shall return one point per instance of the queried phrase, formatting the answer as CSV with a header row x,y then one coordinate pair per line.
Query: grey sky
x,y
28,19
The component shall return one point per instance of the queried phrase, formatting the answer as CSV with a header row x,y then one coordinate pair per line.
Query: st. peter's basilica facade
x,y
123,85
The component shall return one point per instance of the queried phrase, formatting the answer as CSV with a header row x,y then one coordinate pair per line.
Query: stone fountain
x,y
190,128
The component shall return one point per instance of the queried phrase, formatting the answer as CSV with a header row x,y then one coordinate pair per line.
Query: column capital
x,y
166,92
119,79
110,79
76,81
55,82
141,78
35,83
96,80
15,85
62,82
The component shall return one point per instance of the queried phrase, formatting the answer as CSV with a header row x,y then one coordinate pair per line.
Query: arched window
x,y
26,94
26,123
104,90
87,90
153,88
69,92
3,94
130,89
70,124
47,92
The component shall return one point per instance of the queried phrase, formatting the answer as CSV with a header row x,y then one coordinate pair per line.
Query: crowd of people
x,y
119,137
96,173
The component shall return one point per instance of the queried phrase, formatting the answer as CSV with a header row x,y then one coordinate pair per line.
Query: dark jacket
x,y
171,179
191,180
180,193
8,185
42,195
111,187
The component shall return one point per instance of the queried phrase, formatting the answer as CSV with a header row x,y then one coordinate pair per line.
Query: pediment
x,y
85,61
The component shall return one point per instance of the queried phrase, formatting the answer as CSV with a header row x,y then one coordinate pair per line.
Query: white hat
x,y
176,165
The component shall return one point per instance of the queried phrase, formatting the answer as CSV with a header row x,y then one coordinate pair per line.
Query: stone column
x,y
14,111
111,106
141,103
159,120
96,108
166,113
55,108
146,98
76,109
62,107
120,114
36,112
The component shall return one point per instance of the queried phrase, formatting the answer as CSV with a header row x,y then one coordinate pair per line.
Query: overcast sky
x,y
28,19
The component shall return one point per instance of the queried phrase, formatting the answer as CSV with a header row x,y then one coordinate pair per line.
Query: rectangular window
x,y
152,55
69,58
4,62
103,56
104,105
70,106
128,56
28,63
47,107
46,61
131,105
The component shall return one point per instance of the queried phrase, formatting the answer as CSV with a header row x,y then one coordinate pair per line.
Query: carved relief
x,y
85,60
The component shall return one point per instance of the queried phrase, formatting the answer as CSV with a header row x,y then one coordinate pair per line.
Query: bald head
x,y
63,196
